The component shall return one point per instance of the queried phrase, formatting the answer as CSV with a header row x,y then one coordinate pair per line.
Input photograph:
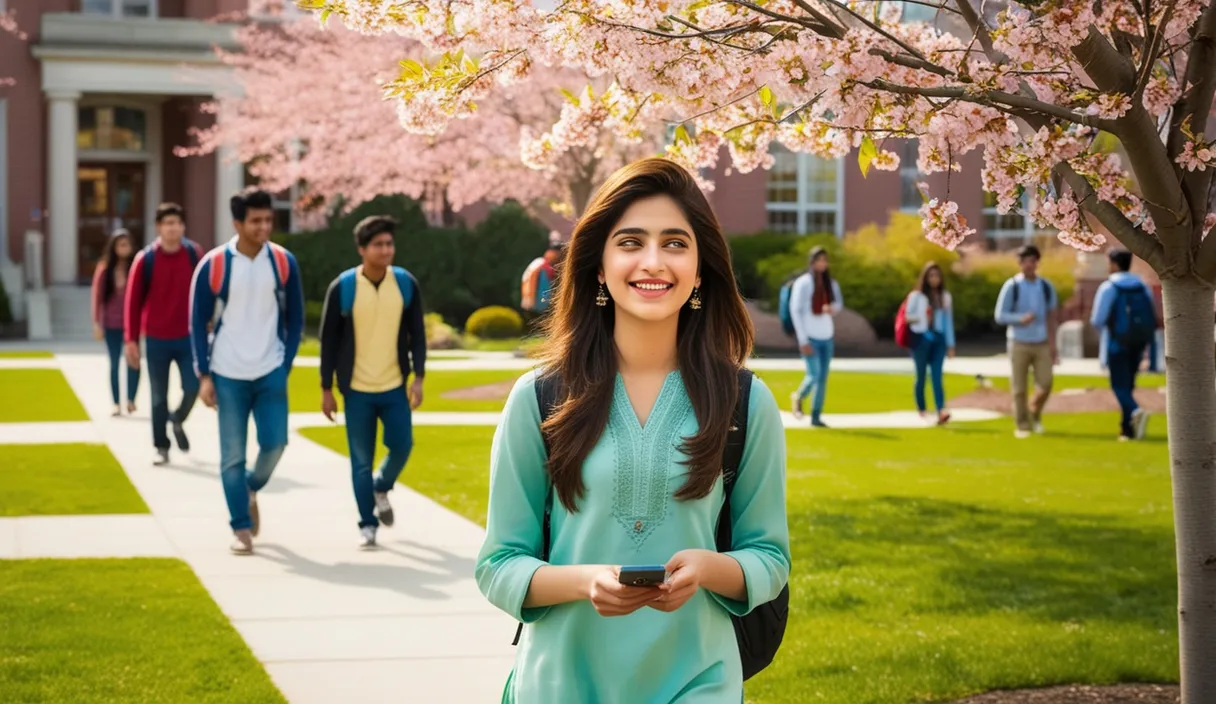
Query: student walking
x,y
109,300
815,300
643,400
246,319
158,307
1027,304
1126,315
930,317
371,327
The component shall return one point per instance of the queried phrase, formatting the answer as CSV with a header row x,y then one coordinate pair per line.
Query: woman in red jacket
x,y
109,292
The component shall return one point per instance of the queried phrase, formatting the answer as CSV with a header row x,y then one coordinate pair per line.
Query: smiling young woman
x,y
645,345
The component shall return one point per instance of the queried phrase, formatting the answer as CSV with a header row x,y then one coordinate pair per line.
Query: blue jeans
x,y
816,379
363,411
1123,366
113,337
162,353
929,355
236,399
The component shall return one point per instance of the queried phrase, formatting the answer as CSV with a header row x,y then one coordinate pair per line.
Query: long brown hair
x,y
110,260
712,343
922,285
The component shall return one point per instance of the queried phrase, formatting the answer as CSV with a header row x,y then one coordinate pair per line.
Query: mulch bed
x,y
1078,694
485,392
1066,401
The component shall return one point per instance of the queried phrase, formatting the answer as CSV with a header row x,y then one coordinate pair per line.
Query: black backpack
x,y
760,632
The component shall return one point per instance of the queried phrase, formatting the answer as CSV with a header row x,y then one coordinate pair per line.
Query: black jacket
x,y
338,337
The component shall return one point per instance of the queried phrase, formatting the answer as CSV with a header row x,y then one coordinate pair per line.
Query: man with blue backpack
x,y
1126,315
246,320
371,329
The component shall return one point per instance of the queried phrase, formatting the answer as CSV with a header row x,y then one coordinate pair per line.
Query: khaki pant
x,y
1023,356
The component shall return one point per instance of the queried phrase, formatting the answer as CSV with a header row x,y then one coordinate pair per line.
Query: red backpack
x,y
903,332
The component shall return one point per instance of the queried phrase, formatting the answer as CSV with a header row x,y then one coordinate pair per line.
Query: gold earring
x,y
601,298
695,301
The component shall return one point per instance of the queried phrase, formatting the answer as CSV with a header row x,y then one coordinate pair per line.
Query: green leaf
x,y
766,96
570,96
866,154
411,69
681,135
325,15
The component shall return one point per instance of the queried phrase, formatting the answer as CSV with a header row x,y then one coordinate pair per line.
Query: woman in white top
x,y
814,301
930,316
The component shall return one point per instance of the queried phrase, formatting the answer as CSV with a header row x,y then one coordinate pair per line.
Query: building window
x,y
1003,227
804,193
910,198
119,8
112,129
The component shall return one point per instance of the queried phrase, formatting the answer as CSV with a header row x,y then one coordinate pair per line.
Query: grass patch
x,y
25,354
931,564
304,390
119,631
64,479
450,464
38,396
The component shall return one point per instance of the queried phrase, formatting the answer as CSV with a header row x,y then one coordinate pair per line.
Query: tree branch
x,y
1205,259
1196,103
981,31
1111,71
1137,241
994,98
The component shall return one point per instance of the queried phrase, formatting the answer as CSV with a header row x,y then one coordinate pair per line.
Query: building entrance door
x,y
111,195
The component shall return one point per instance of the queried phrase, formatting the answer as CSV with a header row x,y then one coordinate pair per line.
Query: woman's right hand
x,y
611,598
98,333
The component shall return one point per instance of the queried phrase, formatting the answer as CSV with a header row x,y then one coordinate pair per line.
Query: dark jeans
x,y
364,412
236,399
162,353
1123,366
113,337
929,355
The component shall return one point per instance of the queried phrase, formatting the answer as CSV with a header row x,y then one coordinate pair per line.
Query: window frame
x,y
117,8
802,206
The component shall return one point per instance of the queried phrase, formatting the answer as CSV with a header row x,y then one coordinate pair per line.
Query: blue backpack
x,y
1132,320
783,305
346,288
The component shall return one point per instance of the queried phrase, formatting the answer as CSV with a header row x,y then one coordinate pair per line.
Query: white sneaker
x,y
384,510
1021,434
243,544
1038,428
1139,423
369,537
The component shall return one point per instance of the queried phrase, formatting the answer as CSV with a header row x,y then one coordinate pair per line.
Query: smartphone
x,y
643,575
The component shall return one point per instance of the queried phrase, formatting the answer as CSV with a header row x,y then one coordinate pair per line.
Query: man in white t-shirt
x,y
246,320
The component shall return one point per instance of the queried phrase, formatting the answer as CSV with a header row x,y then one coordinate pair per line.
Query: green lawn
x,y
119,631
25,354
931,564
39,395
63,479
304,390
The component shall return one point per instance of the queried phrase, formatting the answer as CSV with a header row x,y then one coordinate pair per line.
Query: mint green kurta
x,y
629,516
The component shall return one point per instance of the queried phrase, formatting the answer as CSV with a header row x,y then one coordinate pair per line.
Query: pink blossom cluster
x,y
8,25
746,77
1197,156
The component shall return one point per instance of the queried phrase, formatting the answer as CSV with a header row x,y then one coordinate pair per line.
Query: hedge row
x,y
459,269
878,266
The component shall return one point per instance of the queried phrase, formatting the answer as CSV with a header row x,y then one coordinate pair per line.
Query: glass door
x,y
110,196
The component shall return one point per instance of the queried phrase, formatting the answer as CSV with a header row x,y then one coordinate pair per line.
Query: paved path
x,y
83,536
329,622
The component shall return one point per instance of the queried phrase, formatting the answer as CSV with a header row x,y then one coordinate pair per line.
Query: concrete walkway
x,y
329,622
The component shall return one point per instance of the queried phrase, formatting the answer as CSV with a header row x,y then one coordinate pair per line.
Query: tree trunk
x,y
1191,413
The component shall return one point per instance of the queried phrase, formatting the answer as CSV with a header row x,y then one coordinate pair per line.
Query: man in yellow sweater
x,y
371,329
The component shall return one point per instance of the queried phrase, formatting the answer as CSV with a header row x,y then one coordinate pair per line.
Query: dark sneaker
x,y
243,545
162,457
384,510
179,434
254,514
818,423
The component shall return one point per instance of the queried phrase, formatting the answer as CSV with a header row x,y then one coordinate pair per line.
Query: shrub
x,y
440,335
746,253
459,270
495,323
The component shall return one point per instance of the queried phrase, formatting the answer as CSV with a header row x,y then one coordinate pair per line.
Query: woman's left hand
x,y
950,353
685,571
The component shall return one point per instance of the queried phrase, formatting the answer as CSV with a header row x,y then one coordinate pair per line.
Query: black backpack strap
x,y
546,388
732,457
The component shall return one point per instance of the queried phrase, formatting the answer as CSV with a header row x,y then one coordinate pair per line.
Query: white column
x,y
154,186
61,186
229,180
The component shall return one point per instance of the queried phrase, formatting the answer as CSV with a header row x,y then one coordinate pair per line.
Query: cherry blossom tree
x,y
1031,84
311,111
